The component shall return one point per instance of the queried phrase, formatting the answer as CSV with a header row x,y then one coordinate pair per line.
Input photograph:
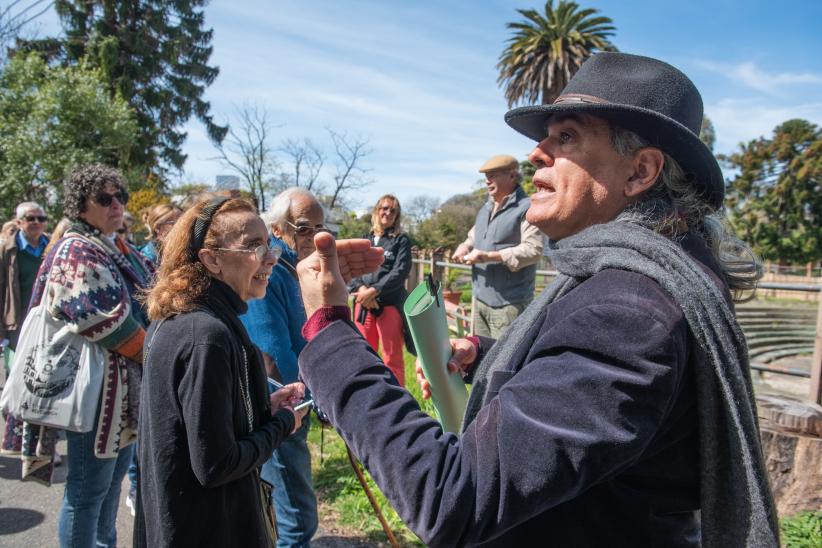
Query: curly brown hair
x,y
181,281
85,181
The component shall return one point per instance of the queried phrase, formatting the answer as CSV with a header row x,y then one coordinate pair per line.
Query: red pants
x,y
385,329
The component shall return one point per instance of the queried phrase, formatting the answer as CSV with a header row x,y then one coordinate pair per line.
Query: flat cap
x,y
500,161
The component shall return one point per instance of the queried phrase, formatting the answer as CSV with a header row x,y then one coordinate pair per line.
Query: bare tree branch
x,y
307,161
349,173
246,150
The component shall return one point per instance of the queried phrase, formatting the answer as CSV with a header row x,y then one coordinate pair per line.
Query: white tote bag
x,y
56,376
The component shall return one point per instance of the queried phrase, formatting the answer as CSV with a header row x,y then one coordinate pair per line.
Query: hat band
x,y
579,98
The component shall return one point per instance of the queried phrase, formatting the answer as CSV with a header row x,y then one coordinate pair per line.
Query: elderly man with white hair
x,y
20,258
274,324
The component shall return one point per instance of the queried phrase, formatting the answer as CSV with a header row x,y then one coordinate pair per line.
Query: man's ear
x,y
209,260
276,231
647,166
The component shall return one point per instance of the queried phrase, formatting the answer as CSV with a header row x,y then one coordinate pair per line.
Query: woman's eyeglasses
x,y
104,198
307,230
261,251
388,209
38,218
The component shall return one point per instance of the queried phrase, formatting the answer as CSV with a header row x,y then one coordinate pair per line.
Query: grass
x,y
339,492
804,530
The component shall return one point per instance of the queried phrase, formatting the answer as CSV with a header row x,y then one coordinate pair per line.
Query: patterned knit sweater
x,y
90,294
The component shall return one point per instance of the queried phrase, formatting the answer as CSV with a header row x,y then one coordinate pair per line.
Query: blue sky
x,y
418,78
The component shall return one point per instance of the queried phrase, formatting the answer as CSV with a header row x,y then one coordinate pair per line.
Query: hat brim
x,y
695,158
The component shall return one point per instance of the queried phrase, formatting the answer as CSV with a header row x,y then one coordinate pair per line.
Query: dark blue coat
x,y
590,440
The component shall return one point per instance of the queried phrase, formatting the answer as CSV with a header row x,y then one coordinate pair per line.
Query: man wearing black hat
x,y
503,249
617,410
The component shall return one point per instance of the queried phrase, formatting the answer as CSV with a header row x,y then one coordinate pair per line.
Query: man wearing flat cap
x,y
503,249
617,410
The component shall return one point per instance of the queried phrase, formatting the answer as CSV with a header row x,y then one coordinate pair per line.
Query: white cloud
x,y
749,74
740,120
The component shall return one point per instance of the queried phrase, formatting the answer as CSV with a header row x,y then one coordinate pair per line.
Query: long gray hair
x,y
674,199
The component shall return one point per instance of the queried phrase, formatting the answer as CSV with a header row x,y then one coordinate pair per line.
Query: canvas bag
x,y
56,376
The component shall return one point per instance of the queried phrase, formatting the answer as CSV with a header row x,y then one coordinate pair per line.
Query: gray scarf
x,y
737,507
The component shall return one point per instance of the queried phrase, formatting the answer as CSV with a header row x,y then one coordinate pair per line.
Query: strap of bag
x,y
151,341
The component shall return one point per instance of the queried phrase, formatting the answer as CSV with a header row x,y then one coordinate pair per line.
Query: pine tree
x,y
775,200
154,53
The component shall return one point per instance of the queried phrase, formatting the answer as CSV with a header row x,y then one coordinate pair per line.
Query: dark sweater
x,y
198,463
590,439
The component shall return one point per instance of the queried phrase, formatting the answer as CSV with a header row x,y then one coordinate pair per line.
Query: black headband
x,y
201,224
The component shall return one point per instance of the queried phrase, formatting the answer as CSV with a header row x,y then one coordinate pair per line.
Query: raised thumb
x,y
326,251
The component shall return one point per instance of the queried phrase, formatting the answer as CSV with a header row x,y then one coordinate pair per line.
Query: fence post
x,y
413,275
436,271
816,364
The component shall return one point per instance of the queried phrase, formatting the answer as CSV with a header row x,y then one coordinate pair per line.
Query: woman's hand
x,y
288,397
463,356
323,273
367,297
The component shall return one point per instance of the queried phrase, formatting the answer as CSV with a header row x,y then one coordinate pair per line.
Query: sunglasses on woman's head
x,y
32,218
104,198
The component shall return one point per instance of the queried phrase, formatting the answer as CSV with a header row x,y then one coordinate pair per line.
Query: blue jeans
x,y
89,512
289,470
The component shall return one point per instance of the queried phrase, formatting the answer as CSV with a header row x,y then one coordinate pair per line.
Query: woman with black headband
x,y
207,422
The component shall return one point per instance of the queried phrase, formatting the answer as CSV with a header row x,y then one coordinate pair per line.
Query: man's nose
x,y
541,155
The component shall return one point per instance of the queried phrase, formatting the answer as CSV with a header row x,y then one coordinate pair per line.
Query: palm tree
x,y
547,49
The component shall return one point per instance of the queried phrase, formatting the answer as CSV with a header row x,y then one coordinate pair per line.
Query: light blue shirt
x,y
24,245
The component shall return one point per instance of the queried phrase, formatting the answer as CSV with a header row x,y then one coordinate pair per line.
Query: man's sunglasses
x,y
32,218
307,230
261,251
104,198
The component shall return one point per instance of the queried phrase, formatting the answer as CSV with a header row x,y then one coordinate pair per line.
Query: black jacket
x,y
389,280
198,462
589,440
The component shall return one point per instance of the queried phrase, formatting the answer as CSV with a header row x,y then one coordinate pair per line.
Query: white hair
x,y
279,211
21,210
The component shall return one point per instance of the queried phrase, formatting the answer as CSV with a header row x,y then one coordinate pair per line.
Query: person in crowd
x,y
379,296
159,221
617,410
274,324
57,234
503,249
125,231
20,258
207,423
93,277
9,229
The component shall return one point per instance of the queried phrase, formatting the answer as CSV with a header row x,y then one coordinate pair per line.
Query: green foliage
x,y
51,120
803,530
152,52
548,48
527,170
355,227
775,201
707,133
449,226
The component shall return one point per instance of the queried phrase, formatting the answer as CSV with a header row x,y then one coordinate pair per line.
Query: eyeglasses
x,y
307,230
389,209
261,251
104,198
32,218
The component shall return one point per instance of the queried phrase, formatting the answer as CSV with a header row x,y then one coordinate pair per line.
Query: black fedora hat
x,y
651,98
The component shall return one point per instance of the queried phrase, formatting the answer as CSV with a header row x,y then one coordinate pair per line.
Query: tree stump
x,y
791,433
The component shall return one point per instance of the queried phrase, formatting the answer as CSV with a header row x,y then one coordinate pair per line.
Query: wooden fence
x,y
773,331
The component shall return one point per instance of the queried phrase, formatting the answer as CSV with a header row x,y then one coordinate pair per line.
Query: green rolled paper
x,y
429,329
